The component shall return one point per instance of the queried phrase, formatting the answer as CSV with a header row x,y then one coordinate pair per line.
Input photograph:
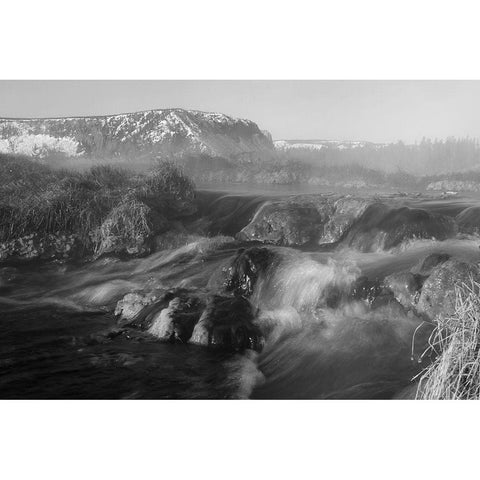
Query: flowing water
x,y
60,338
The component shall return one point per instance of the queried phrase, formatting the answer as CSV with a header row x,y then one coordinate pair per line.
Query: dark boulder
x,y
405,287
284,223
346,211
177,321
366,289
426,266
227,322
138,310
242,274
383,228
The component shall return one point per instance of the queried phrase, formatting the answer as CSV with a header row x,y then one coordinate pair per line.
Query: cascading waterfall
x,y
299,307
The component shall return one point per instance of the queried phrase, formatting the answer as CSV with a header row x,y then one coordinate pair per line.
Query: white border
x,y
206,39
305,39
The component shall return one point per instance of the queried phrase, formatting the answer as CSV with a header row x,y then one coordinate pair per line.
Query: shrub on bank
x,y
106,208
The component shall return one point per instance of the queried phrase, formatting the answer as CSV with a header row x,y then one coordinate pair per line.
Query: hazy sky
x,y
380,111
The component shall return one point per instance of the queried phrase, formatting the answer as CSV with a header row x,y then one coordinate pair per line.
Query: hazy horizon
x,y
364,110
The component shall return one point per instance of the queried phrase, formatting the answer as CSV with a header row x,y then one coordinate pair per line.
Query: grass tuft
x,y
126,226
455,344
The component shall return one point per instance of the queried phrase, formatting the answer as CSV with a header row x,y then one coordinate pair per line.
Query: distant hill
x,y
131,135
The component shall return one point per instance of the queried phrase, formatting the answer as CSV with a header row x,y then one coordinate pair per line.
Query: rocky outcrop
x,y
346,211
383,228
286,223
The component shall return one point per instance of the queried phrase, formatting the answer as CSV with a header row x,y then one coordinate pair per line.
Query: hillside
x,y
133,134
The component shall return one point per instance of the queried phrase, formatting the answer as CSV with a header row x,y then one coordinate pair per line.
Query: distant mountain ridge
x,y
133,134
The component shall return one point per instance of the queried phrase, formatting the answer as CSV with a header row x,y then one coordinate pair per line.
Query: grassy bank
x,y
105,206
455,343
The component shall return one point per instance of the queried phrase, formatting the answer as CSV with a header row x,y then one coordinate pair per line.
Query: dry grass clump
x,y
455,343
126,226
166,178
103,206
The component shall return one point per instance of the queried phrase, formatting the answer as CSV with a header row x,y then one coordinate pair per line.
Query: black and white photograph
x,y
239,240
184,253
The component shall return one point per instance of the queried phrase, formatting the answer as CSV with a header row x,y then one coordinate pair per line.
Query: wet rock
x,y
228,322
426,266
438,292
366,289
242,274
284,223
346,211
177,321
405,287
468,221
382,227
37,247
130,306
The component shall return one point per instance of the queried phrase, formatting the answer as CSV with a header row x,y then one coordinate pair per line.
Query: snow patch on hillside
x,y
39,145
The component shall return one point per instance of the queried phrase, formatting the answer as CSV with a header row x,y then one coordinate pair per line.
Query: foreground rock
x,y
177,321
438,292
180,316
228,322
131,305
242,274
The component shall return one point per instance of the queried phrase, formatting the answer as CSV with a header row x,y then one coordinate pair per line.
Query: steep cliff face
x,y
132,134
